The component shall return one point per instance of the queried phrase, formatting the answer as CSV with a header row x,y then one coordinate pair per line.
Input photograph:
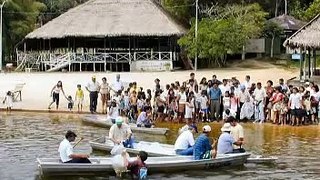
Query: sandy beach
x,y
36,92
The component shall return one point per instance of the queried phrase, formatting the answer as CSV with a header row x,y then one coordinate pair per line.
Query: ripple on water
x,y
27,136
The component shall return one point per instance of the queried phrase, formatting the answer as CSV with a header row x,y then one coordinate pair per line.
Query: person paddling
x,y
66,150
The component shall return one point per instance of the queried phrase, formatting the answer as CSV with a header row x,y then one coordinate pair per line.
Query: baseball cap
x,y
192,126
206,128
119,120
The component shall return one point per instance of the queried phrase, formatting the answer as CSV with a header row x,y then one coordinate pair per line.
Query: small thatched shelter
x,y
105,32
288,23
305,42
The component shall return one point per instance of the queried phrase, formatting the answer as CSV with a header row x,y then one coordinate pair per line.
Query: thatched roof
x,y
288,22
110,18
307,36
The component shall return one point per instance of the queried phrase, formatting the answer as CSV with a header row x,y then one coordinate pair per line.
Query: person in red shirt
x,y
136,165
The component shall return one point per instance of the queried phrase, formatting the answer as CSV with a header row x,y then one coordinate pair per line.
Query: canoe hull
x,y
101,145
155,164
98,120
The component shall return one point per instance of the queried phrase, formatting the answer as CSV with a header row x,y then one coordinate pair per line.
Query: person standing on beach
x,y
105,94
93,88
79,98
117,85
55,94
215,101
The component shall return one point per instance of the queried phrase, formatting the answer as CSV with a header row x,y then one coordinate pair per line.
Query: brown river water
x,y
27,136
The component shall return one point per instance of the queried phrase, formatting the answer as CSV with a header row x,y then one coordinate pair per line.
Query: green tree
x,y
272,30
20,17
312,11
182,10
225,31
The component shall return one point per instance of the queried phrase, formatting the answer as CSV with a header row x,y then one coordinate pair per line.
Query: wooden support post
x,y
309,62
301,60
80,66
304,64
104,54
314,61
94,67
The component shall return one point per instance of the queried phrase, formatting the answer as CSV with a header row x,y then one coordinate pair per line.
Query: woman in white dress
x,y
189,109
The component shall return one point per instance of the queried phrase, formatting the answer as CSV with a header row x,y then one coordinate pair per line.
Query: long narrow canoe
x,y
102,121
53,166
157,149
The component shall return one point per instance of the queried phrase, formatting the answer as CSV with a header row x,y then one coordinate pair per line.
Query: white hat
x,y
206,128
226,127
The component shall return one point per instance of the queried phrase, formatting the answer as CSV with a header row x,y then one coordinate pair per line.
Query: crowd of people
x,y
208,100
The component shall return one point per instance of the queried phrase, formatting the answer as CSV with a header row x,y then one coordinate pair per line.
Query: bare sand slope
x,y
36,92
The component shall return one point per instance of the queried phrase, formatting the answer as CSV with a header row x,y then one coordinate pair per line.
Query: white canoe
x,y
102,121
157,149
53,166
152,148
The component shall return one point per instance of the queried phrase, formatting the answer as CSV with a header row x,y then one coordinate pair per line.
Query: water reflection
x,y
27,136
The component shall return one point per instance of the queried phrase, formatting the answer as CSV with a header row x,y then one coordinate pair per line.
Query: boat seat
x,y
17,92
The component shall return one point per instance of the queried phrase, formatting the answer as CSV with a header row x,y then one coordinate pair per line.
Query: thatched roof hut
x,y
288,23
110,18
307,37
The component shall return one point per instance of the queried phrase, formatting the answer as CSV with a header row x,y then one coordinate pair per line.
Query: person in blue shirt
x,y
226,141
202,147
215,101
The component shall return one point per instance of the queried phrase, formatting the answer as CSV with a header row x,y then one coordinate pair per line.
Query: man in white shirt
x,y
93,88
121,133
295,105
224,87
184,143
66,150
247,83
237,133
259,96
117,85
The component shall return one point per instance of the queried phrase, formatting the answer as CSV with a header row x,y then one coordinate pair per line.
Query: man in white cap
x,y
226,141
202,148
93,88
121,133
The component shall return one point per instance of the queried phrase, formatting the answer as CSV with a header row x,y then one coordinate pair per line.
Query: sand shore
x,y
36,92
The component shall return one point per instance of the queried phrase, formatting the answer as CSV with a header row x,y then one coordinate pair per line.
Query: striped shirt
x,y
201,146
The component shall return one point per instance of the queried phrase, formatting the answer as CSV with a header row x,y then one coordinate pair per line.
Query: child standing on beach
x,y
70,103
204,106
8,101
79,97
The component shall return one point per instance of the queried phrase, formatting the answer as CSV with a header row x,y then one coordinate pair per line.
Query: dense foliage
x,y
224,31
23,16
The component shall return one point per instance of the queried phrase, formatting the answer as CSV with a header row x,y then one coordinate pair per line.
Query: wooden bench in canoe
x,y
54,166
102,121
157,149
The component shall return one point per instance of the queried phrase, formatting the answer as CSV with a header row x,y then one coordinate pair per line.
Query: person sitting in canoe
x,y
185,127
184,143
237,133
226,141
138,168
66,150
144,118
121,133
202,148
